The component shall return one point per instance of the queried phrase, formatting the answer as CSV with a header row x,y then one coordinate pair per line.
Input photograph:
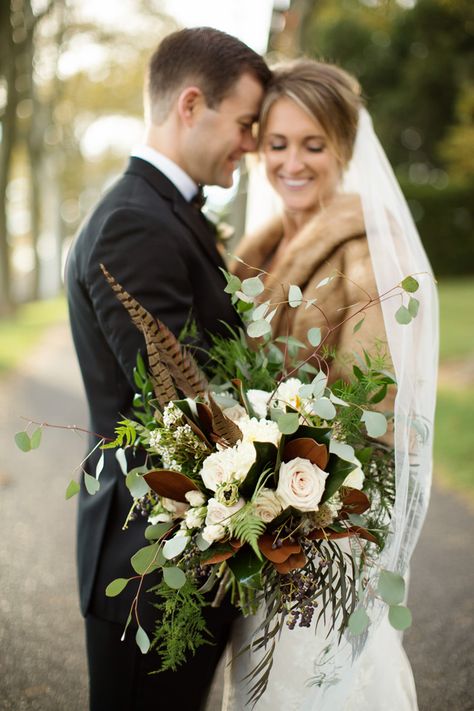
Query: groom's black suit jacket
x,y
162,251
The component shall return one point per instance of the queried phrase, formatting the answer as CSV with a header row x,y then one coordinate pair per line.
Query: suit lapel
x,y
186,213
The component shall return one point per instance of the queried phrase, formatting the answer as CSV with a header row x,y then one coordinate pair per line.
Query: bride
x,y
343,213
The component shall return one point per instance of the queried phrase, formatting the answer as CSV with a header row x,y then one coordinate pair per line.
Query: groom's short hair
x,y
207,58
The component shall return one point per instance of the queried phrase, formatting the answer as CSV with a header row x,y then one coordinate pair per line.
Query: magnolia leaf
x,y
324,408
288,422
252,286
260,311
146,559
325,281
121,459
399,617
172,485
255,329
375,422
99,466
413,306
135,482
391,587
175,546
72,489
295,296
35,439
233,285
142,640
91,484
22,441
155,532
314,336
343,451
306,448
116,586
358,325
410,284
403,316
358,621
174,578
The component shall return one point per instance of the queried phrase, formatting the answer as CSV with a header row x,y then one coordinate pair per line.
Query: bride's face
x,y
299,162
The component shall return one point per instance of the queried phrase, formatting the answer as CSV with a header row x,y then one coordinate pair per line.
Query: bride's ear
x,y
190,103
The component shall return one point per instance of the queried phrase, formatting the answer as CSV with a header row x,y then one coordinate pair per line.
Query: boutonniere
x,y
224,231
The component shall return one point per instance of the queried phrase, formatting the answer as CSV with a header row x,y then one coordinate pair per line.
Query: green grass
x,y
454,441
19,333
456,298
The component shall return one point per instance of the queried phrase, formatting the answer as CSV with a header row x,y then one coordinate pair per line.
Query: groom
x,y
203,94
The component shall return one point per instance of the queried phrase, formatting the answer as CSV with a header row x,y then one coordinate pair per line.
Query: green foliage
x,y
358,621
116,586
248,527
180,627
72,489
23,441
126,431
391,587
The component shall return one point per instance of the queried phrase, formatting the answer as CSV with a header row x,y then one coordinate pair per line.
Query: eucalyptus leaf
x,y
99,465
410,284
288,422
358,325
319,383
201,543
270,315
260,311
116,586
255,329
135,482
310,302
324,408
391,587
337,400
252,286
342,450
175,546
358,621
413,306
233,285
375,422
403,316
399,617
174,577
72,489
306,391
129,619
91,484
145,559
295,296
35,439
121,458
314,336
155,532
325,281
142,640
23,441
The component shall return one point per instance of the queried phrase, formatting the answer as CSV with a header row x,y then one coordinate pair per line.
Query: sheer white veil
x,y
396,252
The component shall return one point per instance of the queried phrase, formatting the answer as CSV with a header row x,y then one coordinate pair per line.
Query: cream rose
x,y
219,513
195,498
267,505
228,465
301,484
213,532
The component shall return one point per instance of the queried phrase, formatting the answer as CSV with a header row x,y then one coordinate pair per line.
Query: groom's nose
x,y
248,143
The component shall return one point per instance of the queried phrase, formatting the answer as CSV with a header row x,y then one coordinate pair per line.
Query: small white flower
x,y
213,532
355,479
287,393
176,508
259,400
195,498
267,505
195,516
254,430
301,484
160,518
219,513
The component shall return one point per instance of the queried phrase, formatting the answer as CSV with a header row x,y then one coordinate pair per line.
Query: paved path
x,y
42,658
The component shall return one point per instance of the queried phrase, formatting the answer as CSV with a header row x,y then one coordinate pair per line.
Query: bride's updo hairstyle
x,y
326,92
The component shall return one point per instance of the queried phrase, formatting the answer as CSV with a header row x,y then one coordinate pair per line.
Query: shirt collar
x,y
181,180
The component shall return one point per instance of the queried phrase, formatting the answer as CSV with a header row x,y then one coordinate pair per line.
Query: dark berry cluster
x,y
298,595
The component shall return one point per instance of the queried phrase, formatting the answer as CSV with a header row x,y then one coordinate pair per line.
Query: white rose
x,y
195,498
301,484
219,513
217,469
235,413
355,479
160,518
244,455
194,517
254,430
259,400
213,532
267,505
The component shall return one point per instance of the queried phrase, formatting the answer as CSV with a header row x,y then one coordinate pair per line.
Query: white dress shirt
x,y
181,180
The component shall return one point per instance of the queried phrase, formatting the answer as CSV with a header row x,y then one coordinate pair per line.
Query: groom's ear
x,y
190,102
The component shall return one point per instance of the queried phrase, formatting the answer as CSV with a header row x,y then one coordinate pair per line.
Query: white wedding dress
x,y
382,679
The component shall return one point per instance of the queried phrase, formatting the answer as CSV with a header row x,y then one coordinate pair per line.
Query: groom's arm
x,y
148,259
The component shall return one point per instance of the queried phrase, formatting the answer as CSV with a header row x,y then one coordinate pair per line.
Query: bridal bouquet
x,y
253,477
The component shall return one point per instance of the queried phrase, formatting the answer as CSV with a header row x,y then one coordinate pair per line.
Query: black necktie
x,y
199,199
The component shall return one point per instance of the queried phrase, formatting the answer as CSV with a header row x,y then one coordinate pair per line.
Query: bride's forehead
x,y
288,116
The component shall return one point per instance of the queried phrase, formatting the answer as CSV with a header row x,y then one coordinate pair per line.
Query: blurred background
x,y
71,77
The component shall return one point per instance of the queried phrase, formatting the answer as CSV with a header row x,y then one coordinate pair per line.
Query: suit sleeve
x,y
148,260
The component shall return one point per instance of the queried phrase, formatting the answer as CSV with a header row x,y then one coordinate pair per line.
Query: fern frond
x,y
248,527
